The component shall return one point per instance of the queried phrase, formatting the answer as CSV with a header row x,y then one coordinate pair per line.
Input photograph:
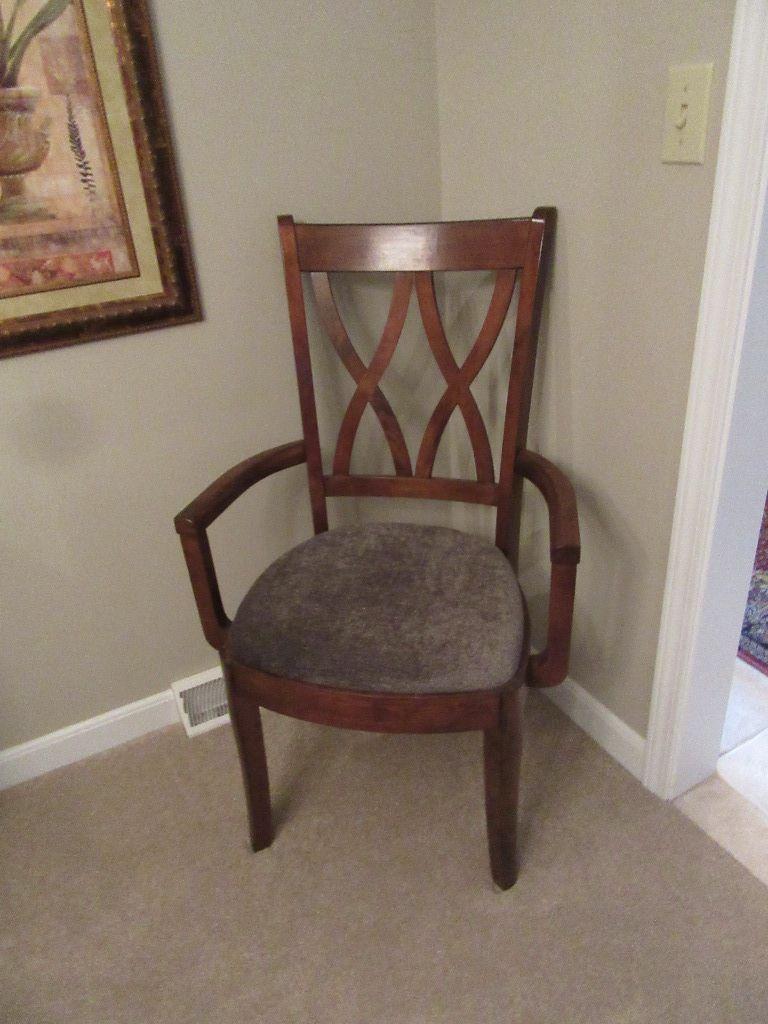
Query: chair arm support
x,y
191,524
550,667
558,492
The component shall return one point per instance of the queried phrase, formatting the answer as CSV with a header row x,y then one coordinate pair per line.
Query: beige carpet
x,y
129,894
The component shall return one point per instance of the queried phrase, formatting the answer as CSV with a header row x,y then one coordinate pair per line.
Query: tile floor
x,y
747,712
732,806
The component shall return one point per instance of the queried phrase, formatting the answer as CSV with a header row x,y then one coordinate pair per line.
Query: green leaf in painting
x,y
47,14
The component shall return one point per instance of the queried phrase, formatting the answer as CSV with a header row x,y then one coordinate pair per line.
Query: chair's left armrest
x,y
191,524
217,497
550,667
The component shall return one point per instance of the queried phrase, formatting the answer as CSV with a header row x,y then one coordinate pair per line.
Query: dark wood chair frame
x,y
517,249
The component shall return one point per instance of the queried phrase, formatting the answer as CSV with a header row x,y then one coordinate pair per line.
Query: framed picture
x,y
93,236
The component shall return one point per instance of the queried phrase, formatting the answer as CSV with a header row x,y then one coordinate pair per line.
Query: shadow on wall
x,y
54,433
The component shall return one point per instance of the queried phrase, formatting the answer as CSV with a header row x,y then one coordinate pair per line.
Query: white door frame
x,y
710,558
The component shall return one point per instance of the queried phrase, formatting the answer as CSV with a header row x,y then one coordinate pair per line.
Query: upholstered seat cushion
x,y
385,607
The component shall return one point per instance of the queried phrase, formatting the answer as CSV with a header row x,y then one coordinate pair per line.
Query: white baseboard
x,y
597,721
65,746
57,749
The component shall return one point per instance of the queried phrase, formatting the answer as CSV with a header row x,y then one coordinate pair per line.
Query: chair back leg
x,y
502,754
246,724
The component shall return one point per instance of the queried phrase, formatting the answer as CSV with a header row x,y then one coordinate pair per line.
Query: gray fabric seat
x,y
385,607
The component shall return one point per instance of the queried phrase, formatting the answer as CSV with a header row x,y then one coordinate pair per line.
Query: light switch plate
x,y
685,122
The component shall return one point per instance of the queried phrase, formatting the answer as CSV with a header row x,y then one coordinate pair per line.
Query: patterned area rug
x,y
753,646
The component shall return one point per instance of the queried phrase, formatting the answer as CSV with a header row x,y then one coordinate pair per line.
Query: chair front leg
x,y
502,756
249,735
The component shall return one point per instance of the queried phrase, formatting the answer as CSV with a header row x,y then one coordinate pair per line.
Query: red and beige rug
x,y
753,647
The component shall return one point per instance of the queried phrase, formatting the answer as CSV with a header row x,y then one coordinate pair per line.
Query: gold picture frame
x,y
93,234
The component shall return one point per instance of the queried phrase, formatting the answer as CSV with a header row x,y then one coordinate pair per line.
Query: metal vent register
x,y
202,702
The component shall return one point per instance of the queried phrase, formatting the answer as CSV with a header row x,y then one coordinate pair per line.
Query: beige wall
x,y
321,110
562,104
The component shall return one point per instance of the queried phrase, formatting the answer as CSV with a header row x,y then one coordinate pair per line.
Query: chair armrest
x,y
550,666
191,524
209,505
564,540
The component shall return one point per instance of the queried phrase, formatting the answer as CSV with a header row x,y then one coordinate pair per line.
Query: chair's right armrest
x,y
191,524
550,667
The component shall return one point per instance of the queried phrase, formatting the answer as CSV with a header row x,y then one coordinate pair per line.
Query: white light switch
x,y
685,124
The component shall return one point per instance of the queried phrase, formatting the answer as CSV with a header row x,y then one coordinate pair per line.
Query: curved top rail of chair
x,y
451,245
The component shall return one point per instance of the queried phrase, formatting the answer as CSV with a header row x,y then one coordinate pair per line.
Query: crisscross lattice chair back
x,y
516,251
395,627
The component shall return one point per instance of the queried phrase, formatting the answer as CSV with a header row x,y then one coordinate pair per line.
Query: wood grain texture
x,y
337,332
298,319
459,382
370,712
460,245
246,724
435,488
502,756
369,381
521,376
516,248
205,587
550,667
459,378
558,492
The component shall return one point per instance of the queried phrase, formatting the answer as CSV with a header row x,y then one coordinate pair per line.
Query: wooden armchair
x,y
392,627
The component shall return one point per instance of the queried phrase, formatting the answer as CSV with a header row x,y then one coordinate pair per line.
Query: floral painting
x,y
62,216
93,234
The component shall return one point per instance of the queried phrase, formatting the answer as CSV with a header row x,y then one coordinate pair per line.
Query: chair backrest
x,y
513,248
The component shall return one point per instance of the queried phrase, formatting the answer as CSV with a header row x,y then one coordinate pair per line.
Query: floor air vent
x,y
202,702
